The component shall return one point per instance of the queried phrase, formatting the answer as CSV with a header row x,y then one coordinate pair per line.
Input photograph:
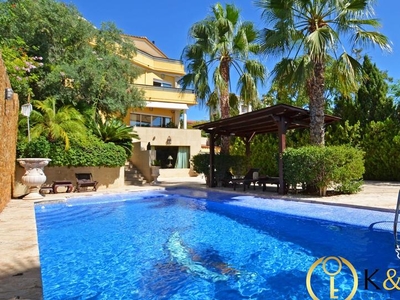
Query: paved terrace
x,y
19,259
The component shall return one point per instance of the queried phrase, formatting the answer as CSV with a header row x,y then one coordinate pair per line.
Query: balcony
x,y
159,64
167,94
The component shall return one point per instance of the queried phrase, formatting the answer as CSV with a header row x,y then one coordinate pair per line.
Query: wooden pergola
x,y
278,118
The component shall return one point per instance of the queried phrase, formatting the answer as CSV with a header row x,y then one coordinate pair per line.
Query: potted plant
x,y
156,163
155,169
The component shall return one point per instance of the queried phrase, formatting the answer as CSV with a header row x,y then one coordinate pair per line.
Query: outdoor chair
x,y
268,180
247,180
85,180
226,180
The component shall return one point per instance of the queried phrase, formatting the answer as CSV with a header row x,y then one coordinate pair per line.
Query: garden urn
x,y
34,175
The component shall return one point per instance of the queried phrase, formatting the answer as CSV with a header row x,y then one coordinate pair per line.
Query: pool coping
x,y
19,262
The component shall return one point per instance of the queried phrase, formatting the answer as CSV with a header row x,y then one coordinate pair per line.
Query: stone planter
x,y
34,175
155,172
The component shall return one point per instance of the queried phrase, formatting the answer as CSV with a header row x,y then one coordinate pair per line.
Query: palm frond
x,y
348,73
247,88
364,38
318,42
57,123
256,69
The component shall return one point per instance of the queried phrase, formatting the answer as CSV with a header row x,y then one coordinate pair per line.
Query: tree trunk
x,y
224,103
315,90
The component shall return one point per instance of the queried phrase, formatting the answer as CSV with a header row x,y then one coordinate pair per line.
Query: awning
x,y
177,106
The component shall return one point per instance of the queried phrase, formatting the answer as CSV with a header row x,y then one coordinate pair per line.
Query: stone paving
x,y
19,254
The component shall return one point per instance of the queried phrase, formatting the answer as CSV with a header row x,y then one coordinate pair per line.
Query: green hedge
x,y
381,144
94,153
338,167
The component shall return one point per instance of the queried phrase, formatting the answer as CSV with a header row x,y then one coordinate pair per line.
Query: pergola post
x,y
248,152
211,182
282,147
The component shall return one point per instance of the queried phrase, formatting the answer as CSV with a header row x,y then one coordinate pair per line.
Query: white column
x,y
184,119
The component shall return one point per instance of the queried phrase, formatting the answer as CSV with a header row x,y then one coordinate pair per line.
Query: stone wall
x,y
108,178
8,137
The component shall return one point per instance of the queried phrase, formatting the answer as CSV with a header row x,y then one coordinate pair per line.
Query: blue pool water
x,y
191,244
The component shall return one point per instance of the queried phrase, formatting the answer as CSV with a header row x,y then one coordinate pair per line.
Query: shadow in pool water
x,y
183,265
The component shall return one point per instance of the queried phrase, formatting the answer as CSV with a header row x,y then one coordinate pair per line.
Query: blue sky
x,y
167,24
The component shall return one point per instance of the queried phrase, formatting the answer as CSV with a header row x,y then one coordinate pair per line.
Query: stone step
x,y
135,182
133,175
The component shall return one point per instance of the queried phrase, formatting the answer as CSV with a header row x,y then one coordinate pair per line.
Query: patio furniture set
x,y
83,182
251,178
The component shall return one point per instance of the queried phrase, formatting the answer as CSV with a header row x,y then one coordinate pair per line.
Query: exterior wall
x,y
141,159
170,173
158,137
107,177
179,137
9,110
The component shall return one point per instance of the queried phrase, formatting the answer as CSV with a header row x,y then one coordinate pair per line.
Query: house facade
x,y
162,123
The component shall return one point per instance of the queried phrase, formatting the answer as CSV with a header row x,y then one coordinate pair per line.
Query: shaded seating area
x,y
274,119
84,181
251,177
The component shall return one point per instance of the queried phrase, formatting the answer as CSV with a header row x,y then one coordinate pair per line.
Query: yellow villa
x,y
162,123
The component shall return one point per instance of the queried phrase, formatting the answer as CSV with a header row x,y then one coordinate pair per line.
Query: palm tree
x,y
55,124
115,131
213,104
309,34
222,42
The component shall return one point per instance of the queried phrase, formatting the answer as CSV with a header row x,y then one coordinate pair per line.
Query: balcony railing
x,y
176,61
163,89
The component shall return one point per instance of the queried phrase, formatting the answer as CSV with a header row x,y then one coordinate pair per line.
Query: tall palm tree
x,y
309,34
222,42
213,104
57,123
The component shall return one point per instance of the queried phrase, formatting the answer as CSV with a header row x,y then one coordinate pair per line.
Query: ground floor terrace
x,y
19,261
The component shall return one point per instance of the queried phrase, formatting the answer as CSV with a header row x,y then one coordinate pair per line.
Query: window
x,y
162,84
140,120
157,122
180,156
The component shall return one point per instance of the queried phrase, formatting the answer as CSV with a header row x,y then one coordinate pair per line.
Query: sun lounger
x,y
85,180
247,180
270,180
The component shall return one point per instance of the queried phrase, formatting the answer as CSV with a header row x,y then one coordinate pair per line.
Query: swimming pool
x,y
194,244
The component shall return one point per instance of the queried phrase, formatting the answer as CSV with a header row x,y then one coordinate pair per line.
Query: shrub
x,y
338,167
39,147
94,154
223,163
381,144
